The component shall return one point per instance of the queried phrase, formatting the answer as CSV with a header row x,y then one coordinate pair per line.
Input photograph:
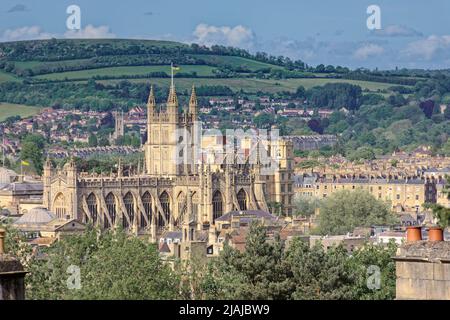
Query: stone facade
x,y
423,271
154,199
407,194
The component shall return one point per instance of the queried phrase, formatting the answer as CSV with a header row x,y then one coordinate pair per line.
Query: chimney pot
x,y
436,234
413,233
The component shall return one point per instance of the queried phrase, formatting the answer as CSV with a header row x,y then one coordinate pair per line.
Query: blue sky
x,y
415,34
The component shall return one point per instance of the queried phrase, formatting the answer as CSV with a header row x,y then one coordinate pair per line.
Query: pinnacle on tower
x,y
172,100
151,103
193,102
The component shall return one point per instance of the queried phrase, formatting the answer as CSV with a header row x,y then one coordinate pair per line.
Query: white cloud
x,y
90,32
25,33
238,36
397,31
429,48
37,33
367,51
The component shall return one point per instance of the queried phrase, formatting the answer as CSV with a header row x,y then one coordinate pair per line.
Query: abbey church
x,y
181,179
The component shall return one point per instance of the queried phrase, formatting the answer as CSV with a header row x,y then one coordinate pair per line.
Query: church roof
x,y
21,186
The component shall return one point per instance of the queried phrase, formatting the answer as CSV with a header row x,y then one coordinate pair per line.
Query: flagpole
x,y
171,70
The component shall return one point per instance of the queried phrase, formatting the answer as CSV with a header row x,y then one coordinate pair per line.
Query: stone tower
x,y
119,128
166,128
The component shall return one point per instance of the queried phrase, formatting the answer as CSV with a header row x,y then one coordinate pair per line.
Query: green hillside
x,y
12,109
61,72
119,72
5,77
255,85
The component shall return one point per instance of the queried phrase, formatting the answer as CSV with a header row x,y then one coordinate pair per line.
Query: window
x,y
111,207
92,207
165,203
147,202
242,199
217,202
59,206
129,206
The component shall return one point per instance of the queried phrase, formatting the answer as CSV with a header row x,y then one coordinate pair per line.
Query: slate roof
x,y
247,214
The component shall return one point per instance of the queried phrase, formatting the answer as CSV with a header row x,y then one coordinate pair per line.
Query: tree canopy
x,y
343,210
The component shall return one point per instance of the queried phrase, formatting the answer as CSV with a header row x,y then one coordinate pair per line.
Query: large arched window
x,y
165,203
128,200
147,202
111,207
93,207
217,202
59,205
242,199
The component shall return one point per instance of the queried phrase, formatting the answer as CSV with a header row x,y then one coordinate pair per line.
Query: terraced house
x,y
404,193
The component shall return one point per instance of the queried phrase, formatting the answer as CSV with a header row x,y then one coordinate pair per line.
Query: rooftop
x,y
433,251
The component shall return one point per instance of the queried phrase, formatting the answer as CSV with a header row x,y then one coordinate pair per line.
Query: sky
x,y
413,34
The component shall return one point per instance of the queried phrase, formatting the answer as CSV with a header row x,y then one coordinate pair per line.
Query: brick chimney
x,y
12,275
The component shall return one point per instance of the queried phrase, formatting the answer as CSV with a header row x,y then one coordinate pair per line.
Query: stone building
x,y
404,193
423,271
18,194
154,199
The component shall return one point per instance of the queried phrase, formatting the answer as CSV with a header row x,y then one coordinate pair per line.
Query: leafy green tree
x,y
344,210
32,150
365,153
440,212
257,273
112,266
318,274
16,244
305,205
368,260
92,140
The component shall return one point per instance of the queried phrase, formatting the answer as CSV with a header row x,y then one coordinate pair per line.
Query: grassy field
x,y
124,71
254,85
233,61
11,109
4,77
50,64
